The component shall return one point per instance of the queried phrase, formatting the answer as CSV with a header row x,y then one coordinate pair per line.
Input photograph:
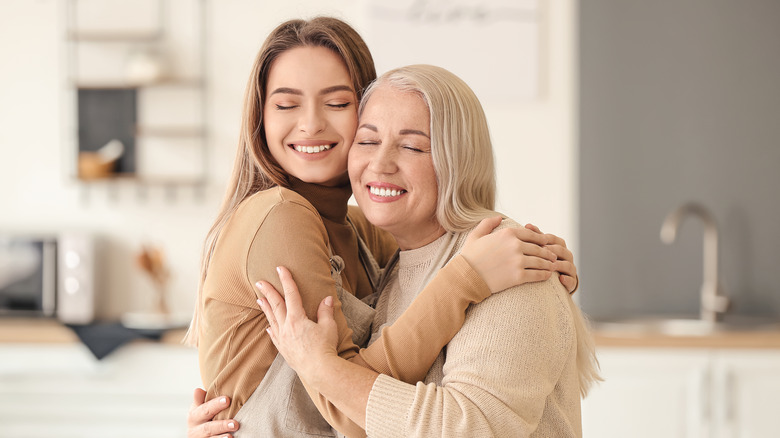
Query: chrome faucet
x,y
713,302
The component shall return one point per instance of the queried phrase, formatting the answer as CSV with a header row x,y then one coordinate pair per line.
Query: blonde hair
x,y
462,154
254,168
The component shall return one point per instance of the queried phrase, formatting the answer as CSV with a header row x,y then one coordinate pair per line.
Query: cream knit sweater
x,y
511,371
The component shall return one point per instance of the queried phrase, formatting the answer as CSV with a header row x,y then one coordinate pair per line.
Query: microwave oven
x,y
48,276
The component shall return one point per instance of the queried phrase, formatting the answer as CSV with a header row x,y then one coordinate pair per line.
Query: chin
x,y
332,179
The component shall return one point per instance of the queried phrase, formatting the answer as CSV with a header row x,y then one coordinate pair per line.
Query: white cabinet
x,y
684,393
748,394
143,389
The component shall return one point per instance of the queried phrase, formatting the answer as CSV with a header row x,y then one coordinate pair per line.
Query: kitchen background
x,y
605,116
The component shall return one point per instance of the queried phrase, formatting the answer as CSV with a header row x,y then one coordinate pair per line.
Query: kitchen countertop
x,y
736,339
35,331
51,331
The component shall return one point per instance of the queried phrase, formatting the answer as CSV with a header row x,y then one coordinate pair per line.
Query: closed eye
x,y
339,105
283,107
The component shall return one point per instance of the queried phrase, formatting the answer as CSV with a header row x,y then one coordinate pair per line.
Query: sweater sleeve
x,y
499,370
236,350
407,348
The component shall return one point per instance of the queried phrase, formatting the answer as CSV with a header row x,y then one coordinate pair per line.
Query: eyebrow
x,y
402,132
324,91
413,131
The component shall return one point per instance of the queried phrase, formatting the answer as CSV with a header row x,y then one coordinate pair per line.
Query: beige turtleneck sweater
x,y
294,228
511,370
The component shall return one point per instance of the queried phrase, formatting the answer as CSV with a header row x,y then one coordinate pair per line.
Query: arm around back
x,y
515,353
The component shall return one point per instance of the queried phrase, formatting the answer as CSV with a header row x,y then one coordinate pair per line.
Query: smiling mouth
x,y
312,149
385,192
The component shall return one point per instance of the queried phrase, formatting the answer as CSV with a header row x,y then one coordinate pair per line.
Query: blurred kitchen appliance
x,y
48,276
76,281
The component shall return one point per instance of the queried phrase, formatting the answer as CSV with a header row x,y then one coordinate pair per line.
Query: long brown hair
x,y
255,169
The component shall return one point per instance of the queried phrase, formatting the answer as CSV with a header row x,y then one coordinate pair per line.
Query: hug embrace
x,y
421,313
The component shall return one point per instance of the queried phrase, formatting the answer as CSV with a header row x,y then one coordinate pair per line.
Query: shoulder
x,y
268,200
275,212
274,203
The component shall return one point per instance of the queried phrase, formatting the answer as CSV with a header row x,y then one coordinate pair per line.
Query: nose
x,y
384,160
312,121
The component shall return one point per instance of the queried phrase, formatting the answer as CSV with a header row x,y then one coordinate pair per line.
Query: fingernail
x,y
259,285
278,270
329,301
260,302
231,425
223,400
268,330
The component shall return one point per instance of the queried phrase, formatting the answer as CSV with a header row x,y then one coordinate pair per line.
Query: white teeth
x,y
385,192
312,149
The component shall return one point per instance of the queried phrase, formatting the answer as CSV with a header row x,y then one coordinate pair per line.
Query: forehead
x,y
308,66
396,108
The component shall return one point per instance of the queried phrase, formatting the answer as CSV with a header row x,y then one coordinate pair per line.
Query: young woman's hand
x,y
302,342
199,419
509,257
565,259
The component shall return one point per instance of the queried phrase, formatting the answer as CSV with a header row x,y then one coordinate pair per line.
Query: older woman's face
x,y
391,168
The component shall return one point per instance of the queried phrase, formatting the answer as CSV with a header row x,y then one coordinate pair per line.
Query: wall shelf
x,y
123,84
114,37
136,73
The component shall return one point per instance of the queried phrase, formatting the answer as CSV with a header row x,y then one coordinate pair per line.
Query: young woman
x,y
523,357
287,205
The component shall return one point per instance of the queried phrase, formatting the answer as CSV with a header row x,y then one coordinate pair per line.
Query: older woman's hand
x,y
565,259
301,341
510,256
200,423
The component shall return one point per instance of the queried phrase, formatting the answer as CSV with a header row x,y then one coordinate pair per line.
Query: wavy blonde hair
x,y
462,154
254,168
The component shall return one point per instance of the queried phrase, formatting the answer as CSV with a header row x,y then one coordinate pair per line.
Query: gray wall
x,y
679,100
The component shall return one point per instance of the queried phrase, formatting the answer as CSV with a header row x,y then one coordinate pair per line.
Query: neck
x,y
330,202
417,238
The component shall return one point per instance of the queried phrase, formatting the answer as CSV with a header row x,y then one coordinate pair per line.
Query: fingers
x,y
565,268
204,412
531,249
533,262
272,305
555,240
325,311
534,275
291,295
533,228
561,252
484,228
199,419
213,429
198,397
530,236
568,282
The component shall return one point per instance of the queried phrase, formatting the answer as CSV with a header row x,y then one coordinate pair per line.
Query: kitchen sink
x,y
684,326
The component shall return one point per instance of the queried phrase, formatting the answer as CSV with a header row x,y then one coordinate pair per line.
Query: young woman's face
x,y
391,167
310,114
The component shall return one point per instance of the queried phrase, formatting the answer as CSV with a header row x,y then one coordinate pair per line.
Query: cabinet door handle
x,y
729,394
704,388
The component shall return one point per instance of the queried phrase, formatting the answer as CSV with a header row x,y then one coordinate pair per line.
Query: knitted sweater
x,y
509,372
297,228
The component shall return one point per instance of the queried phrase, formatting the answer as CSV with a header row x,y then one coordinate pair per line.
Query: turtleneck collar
x,y
330,202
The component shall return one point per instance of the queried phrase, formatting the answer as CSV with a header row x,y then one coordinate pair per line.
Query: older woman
x,y
422,169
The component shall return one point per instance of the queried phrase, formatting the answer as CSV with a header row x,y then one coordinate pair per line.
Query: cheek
x,y
348,127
